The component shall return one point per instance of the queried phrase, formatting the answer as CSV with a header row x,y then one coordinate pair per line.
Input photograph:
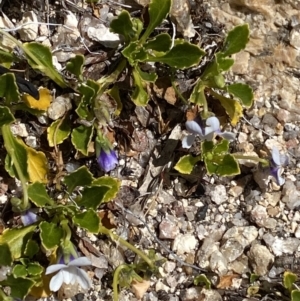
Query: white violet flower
x,y
69,274
205,130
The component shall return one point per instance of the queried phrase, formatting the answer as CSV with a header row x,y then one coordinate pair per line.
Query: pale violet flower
x,y
107,160
277,162
205,131
29,217
69,274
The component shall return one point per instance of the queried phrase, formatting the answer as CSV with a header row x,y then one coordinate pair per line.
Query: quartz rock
x,y
191,294
260,216
295,38
29,32
168,230
184,243
239,266
104,36
19,129
281,246
291,196
218,194
59,107
210,295
218,263
243,235
261,259
231,249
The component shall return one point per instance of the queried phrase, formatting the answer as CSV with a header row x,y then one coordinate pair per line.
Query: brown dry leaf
x,y
107,219
226,281
140,288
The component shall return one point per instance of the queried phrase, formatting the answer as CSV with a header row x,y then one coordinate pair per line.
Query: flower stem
x,y
252,158
116,281
127,245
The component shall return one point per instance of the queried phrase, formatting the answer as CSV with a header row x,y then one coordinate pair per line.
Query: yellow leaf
x,y
42,291
233,109
37,165
42,104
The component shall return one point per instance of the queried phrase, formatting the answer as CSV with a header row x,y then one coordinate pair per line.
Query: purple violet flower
x,y
276,165
107,160
205,131
28,217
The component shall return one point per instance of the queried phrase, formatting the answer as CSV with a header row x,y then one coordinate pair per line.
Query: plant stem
x,y
252,158
127,245
116,281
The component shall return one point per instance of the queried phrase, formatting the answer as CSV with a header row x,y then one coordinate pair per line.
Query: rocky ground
x,y
226,228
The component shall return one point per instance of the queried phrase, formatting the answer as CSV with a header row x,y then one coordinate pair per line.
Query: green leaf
x,y
236,40
6,117
19,271
145,76
7,57
9,89
19,287
295,295
158,11
58,131
161,43
114,93
202,279
243,92
112,183
50,235
17,154
40,58
75,66
92,196
81,177
88,220
81,138
289,279
225,165
123,25
186,164
198,95
139,96
222,147
83,108
38,195
181,56
17,239
223,63
5,255
31,249
253,277
34,269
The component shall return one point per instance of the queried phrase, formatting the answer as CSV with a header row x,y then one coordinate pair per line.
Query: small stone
x,y
210,295
295,38
168,230
236,191
261,259
192,294
291,196
19,129
240,266
244,235
59,107
31,141
259,215
241,62
100,33
218,194
297,232
169,266
281,246
184,243
218,263
232,249
29,32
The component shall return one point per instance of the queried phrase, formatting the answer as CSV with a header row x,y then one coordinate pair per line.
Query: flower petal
x,y
188,141
83,279
80,261
69,275
107,160
193,127
213,124
54,268
276,156
276,173
284,159
227,135
28,217
56,282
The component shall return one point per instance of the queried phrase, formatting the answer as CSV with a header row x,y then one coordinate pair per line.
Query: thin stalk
x,y
127,245
116,281
252,158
